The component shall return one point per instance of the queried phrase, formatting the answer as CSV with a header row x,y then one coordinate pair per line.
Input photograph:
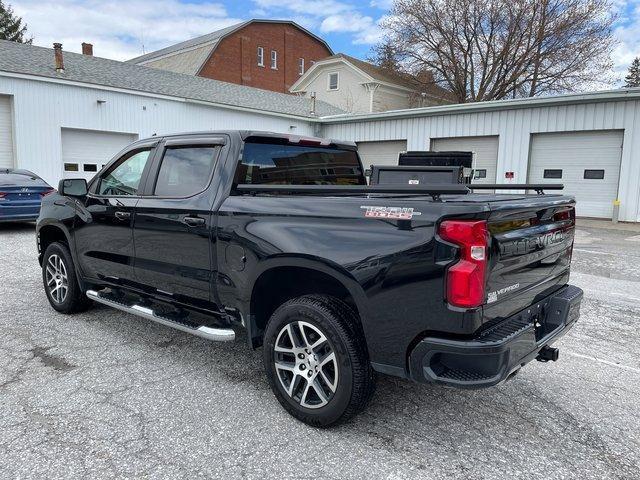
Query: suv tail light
x,y
465,280
2,195
47,192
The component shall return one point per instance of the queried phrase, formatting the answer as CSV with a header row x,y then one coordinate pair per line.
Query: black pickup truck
x,y
218,232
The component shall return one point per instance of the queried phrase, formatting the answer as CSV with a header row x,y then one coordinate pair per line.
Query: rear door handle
x,y
123,215
194,221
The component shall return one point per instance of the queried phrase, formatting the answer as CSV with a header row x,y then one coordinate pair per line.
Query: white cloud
x,y
118,28
330,16
628,34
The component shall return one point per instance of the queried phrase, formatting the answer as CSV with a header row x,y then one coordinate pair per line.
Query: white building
x,y
356,86
81,117
62,122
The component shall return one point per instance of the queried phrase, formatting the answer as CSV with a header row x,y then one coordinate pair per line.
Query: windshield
x,y
274,164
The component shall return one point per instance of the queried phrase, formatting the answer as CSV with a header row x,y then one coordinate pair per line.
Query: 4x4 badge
x,y
395,213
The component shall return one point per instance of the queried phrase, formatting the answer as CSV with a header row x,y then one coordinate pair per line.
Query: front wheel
x,y
60,281
316,360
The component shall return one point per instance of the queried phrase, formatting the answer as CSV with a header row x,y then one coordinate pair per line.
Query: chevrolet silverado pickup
x,y
279,238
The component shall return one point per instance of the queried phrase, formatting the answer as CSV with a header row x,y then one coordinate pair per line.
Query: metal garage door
x,y
587,163
485,149
84,152
381,153
6,133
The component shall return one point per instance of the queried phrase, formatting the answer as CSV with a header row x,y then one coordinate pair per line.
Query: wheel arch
x,y
282,278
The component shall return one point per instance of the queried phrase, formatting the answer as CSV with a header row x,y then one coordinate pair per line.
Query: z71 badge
x,y
395,213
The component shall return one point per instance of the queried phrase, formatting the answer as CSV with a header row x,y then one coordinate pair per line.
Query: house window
x,y
333,81
71,167
480,173
274,60
552,173
260,57
594,174
90,167
301,66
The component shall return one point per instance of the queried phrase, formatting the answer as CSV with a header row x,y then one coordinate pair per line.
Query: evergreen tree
x,y
11,26
633,77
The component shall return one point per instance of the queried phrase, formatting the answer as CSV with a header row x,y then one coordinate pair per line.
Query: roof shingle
x,y
38,61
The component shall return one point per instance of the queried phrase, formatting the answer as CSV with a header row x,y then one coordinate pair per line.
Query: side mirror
x,y
74,187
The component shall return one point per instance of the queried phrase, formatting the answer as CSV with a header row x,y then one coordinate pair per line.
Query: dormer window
x,y
301,66
274,60
333,81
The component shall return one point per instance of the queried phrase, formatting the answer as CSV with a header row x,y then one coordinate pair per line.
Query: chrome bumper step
x,y
209,333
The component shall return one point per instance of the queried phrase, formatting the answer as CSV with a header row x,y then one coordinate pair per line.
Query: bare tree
x,y
496,49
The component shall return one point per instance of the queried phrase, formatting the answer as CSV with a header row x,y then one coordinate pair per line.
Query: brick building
x,y
268,54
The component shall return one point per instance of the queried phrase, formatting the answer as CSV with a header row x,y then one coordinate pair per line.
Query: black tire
x,y
353,379
57,258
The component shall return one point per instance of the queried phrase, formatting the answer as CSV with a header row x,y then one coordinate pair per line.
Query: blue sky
x,y
119,28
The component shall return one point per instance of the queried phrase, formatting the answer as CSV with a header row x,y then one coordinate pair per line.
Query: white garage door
x,y
484,148
84,152
381,153
6,133
587,163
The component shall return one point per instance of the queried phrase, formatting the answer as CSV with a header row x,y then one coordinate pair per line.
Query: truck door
x,y
173,228
104,236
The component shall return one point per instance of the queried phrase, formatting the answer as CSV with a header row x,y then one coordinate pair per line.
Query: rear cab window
x,y
291,164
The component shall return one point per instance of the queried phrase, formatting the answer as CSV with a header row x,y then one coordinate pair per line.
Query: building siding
x,y
42,109
514,128
235,58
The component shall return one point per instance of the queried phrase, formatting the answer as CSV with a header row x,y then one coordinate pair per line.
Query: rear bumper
x,y
19,213
497,352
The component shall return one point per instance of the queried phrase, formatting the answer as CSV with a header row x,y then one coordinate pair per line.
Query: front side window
x,y
274,59
185,171
333,81
124,177
273,164
260,57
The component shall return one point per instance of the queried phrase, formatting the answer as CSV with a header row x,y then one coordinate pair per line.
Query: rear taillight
x,y
47,192
2,195
465,280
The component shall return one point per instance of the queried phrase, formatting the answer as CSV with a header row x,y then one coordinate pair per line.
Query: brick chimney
x,y
87,49
57,53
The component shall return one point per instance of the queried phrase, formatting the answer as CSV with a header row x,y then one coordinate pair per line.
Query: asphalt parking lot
x,y
103,394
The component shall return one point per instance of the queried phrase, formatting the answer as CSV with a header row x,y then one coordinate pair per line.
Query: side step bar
x,y
214,334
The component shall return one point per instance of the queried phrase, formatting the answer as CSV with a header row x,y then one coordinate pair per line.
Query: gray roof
x,y
190,55
39,61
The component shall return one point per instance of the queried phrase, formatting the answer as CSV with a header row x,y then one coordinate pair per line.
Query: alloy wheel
x,y
56,278
306,364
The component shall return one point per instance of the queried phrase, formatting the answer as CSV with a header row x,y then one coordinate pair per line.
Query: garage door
x,y
381,153
84,152
587,163
485,149
6,133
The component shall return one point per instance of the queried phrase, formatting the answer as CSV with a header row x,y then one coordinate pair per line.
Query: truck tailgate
x,y
530,252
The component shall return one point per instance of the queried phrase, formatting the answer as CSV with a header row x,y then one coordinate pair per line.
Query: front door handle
x,y
194,221
123,215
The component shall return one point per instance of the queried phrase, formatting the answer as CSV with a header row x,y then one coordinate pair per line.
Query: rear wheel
x,y
316,360
60,280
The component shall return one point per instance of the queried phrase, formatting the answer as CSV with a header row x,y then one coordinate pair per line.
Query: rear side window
x,y
185,171
273,164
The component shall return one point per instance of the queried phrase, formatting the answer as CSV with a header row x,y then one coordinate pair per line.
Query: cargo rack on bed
x,y
432,190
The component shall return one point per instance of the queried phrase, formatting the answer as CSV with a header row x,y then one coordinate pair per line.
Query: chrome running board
x,y
214,334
